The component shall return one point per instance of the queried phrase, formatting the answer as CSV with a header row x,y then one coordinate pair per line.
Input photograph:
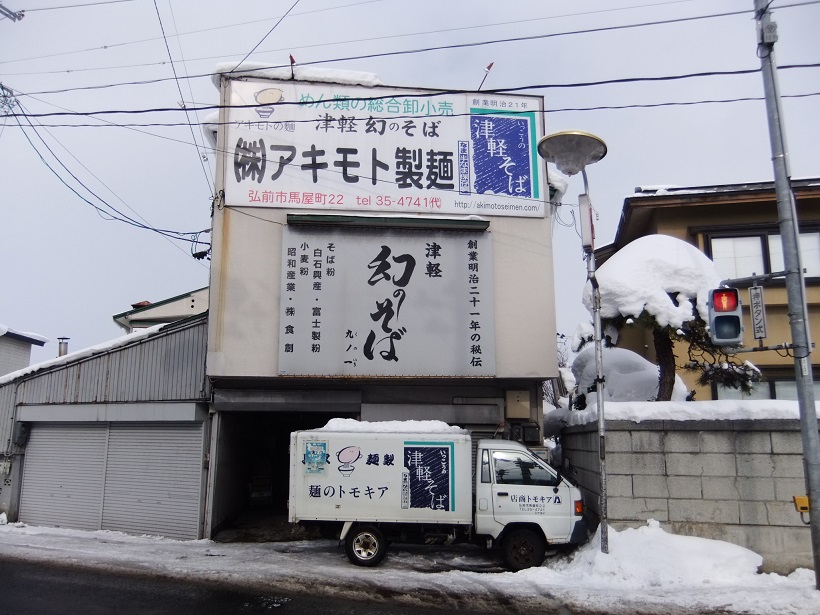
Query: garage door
x,y
154,479
141,478
64,474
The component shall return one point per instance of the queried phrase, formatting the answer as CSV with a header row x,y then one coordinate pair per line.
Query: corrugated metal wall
x,y
6,415
165,367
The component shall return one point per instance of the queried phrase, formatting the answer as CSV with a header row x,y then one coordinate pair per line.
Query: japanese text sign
x,y
386,303
323,146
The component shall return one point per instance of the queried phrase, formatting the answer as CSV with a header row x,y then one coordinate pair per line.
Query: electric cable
x,y
434,94
371,39
436,48
136,213
177,235
293,6
156,38
208,180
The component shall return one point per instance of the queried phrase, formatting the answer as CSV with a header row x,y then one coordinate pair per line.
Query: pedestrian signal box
x,y
725,317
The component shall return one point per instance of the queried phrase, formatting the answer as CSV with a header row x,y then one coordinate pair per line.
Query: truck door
x,y
527,489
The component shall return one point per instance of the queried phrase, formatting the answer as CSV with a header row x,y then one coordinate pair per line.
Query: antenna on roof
x,y
486,72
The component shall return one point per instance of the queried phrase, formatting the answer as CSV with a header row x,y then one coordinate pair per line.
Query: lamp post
x,y
571,152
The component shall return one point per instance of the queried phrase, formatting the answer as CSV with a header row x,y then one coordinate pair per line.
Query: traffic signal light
x,y
725,317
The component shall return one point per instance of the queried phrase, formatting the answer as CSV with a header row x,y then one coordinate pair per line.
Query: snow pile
x,y
716,410
628,376
657,274
647,570
352,425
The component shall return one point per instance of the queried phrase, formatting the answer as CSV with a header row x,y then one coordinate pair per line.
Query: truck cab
x,y
523,504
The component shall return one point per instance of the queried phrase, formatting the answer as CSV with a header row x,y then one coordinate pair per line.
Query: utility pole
x,y
795,283
13,15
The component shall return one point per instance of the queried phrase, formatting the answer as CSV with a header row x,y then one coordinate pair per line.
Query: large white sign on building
x,y
302,145
386,303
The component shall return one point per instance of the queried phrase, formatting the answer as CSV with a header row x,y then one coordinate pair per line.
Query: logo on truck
x,y
347,457
427,478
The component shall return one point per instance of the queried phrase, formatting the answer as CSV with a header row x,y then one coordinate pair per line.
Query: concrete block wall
x,y
725,480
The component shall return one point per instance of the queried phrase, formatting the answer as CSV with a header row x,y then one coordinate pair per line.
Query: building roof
x,y
98,349
638,207
147,314
31,338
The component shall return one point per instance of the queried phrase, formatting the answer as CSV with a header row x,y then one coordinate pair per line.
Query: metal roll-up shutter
x,y
63,475
154,479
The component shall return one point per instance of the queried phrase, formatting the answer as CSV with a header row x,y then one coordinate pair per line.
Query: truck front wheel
x,y
365,545
523,549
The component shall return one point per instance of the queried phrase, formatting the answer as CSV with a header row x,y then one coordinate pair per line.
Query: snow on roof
x,y
300,73
660,190
34,337
352,425
82,354
644,273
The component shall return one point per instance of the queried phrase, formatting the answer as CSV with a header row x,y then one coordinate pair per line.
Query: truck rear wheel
x,y
523,549
365,545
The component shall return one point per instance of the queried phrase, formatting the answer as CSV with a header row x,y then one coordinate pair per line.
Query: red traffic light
x,y
725,300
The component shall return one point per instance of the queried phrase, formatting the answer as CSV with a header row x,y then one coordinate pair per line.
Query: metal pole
x,y
599,383
795,283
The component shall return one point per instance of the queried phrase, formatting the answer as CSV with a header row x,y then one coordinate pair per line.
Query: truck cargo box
x,y
380,477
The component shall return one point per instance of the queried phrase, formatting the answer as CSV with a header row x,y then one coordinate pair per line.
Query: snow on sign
x,y
302,145
386,303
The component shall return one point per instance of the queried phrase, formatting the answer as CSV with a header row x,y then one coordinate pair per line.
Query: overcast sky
x,y
66,270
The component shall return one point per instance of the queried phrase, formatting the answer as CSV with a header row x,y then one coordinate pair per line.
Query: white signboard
x,y
386,303
758,311
302,145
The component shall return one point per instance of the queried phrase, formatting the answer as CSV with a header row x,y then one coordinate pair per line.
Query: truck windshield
x,y
517,469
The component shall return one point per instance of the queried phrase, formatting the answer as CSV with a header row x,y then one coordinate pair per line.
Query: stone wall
x,y
725,480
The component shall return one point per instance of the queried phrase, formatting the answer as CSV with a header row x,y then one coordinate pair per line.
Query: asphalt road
x,y
41,589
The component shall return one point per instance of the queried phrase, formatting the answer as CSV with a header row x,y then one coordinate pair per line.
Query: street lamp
x,y
571,151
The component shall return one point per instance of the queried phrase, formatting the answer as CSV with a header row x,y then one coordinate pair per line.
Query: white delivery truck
x,y
379,487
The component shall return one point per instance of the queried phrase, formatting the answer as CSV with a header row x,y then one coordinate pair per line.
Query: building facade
x,y
379,253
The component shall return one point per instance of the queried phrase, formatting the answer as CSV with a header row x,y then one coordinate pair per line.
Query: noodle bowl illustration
x,y
347,457
267,97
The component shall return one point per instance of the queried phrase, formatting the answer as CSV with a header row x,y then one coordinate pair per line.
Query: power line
x,y
429,49
546,112
136,213
76,6
792,5
293,6
179,89
107,215
433,94
156,38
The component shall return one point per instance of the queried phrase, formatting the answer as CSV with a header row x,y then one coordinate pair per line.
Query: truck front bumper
x,y
580,532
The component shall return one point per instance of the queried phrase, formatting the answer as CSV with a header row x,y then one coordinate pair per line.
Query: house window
x,y
770,389
809,253
760,391
741,256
